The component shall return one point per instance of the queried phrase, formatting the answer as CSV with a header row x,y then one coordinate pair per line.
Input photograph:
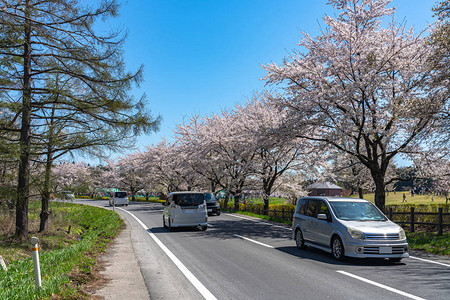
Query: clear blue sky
x,y
201,56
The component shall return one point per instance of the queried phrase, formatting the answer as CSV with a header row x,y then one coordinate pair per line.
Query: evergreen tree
x,y
55,42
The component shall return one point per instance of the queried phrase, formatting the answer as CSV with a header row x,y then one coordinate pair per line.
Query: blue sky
x,y
201,56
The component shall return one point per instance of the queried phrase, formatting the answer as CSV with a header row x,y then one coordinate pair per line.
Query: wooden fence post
x,y
282,213
440,211
412,220
390,213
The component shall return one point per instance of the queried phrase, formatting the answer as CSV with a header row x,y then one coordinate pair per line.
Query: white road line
x,y
191,277
430,261
380,285
253,241
256,221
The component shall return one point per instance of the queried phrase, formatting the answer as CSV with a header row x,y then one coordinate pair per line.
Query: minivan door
x,y
309,219
323,228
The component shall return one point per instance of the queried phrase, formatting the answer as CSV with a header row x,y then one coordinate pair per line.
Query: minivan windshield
x,y
120,194
210,197
356,211
188,199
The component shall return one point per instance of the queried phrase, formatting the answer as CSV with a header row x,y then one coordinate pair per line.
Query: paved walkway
x,y
122,271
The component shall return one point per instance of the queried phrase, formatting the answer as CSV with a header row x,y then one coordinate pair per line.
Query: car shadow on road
x,y
311,253
162,229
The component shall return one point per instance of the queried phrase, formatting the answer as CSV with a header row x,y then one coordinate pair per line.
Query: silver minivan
x,y
185,209
347,227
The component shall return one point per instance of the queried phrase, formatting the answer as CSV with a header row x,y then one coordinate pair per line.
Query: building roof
x,y
323,186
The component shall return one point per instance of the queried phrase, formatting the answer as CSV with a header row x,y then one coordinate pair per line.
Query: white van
x,y
119,198
185,209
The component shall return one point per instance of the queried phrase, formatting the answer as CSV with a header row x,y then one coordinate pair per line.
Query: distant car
x,y
185,209
119,198
68,196
347,227
212,203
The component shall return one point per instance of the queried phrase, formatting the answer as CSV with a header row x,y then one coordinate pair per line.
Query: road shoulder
x,y
122,272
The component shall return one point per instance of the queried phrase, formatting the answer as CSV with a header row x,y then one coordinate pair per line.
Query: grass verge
x,y
67,254
429,242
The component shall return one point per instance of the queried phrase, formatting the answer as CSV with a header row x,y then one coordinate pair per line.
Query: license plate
x,y
209,210
385,250
188,211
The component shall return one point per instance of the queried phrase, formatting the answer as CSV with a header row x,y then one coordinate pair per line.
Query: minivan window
x,y
357,211
311,208
188,199
209,196
120,194
323,209
301,206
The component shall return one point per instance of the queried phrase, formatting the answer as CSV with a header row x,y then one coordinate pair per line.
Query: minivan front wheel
x,y
337,248
299,240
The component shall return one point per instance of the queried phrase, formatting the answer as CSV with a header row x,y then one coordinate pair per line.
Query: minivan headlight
x,y
355,233
401,234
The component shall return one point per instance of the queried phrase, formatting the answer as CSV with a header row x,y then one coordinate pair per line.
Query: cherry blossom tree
x,y
291,186
437,168
350,171
361,88
168,168
275,153
195,140
75,177
221,139
129,174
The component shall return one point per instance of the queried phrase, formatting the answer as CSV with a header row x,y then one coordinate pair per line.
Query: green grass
x,y
66,259
151,199
391,199
429,242
272,201
397,198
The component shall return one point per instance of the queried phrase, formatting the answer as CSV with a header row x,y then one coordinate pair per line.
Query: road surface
x,y
240,257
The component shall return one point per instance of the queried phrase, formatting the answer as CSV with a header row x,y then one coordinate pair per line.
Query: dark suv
x,y
212,204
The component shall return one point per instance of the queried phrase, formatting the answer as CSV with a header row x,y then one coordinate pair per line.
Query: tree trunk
x,y
133,192
45,213
237,199
266,199
213,186
23,187
360,193
380,188
226,199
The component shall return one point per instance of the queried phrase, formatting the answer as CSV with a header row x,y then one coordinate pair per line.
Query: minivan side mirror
x,y
322,217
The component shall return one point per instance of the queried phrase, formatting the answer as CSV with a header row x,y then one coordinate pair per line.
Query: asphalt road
x,y
239,257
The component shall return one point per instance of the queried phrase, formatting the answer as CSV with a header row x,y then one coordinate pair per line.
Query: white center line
x,y
253,241
191,277
380,285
